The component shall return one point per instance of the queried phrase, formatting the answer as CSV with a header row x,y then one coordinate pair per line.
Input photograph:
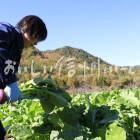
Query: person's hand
x,y
3,97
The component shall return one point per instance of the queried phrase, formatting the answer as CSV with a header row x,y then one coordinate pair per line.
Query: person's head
x,y
33,29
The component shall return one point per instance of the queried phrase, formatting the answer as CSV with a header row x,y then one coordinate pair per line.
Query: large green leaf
x,y
114,132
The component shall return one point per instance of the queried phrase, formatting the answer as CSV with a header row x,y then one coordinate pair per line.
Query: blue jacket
x,y
11,46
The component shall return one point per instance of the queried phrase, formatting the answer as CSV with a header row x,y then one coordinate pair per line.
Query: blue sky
x,y
109,29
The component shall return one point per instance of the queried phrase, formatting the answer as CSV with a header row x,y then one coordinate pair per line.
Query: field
x,y
47,112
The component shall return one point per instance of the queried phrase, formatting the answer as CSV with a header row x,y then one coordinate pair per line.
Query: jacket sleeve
x,y
2,84
4,41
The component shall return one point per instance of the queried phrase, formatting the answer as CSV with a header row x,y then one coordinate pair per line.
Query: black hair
x,y
33,26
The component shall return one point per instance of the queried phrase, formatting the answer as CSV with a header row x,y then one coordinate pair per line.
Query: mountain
x,y
51,57
73,67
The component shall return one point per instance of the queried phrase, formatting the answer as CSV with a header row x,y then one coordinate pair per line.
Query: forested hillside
x,y
74,68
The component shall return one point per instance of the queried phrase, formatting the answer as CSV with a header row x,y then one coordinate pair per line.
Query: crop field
x,y
46,112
